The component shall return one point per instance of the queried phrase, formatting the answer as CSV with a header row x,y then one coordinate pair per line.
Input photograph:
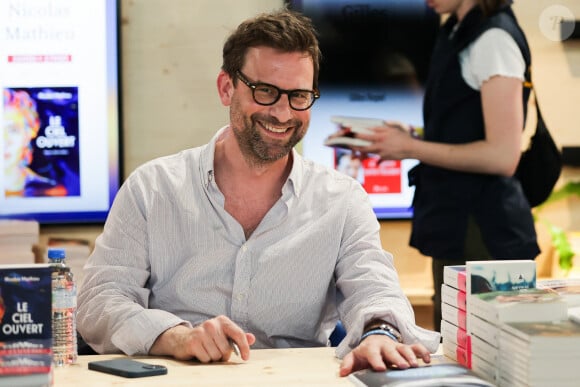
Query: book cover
x,y
490,276
454,334
522,305
454,276
44,121
424,376
568,288
25,319
453,297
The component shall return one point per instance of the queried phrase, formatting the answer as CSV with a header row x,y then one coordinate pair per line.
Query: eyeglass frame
x,y
254,85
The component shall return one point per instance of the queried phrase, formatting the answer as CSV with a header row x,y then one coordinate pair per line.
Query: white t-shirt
x,y
495,52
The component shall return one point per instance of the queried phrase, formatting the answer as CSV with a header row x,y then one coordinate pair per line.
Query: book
x,y
454,334
520,305
30,380
484,330
456,353
541,336
483,349
454,315
444,374
574,314
350,127
454,276
489,276
453,297
484,369
19,227
25,319
568,288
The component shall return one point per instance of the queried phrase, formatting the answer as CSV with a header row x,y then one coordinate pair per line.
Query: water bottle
x,y
64,305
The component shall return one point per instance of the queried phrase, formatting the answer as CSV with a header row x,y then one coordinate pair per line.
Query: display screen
x,y
375,61
59,76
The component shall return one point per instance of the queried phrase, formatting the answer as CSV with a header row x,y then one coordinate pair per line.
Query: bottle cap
x,y
57,254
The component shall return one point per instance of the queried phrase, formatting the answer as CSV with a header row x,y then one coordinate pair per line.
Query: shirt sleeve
x,y
494,53
113,314
367,278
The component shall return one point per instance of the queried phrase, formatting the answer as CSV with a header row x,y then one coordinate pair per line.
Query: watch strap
x,y
379,332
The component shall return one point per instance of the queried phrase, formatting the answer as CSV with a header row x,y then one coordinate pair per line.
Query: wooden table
x,y
266,367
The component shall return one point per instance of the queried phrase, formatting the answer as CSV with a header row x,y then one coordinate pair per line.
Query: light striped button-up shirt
x,y
170,254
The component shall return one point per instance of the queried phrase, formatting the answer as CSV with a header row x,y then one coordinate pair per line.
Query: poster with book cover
x,y
42,148
376,176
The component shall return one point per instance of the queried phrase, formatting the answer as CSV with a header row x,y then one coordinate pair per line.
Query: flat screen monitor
x,y
375,61
59,76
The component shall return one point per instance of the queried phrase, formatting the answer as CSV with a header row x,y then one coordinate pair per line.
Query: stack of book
x,y
455,341
25,325
17,239
540,354
485,277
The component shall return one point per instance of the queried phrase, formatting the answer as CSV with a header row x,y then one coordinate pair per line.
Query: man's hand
x,y
380,352
207,342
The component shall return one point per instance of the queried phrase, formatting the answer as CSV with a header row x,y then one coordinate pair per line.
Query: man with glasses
x,y
243,241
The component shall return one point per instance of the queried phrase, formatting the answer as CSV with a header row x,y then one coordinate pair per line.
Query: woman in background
x,y
468,205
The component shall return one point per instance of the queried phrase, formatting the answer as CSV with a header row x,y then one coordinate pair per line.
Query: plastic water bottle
x,y
64,305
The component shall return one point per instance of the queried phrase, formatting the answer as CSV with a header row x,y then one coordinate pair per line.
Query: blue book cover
x,y
25,310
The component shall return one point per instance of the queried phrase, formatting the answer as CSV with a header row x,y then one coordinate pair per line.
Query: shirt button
x,y
240,296
244,248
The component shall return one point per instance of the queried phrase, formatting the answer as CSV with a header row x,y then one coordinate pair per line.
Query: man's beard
x,y
258,150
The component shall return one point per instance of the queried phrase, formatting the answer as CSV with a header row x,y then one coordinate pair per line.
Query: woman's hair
x,y
491,6
283,30
23,103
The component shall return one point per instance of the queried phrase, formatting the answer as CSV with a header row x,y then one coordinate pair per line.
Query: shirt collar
x,y
295,179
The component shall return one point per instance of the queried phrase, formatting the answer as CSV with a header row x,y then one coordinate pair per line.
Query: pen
x,y
235,348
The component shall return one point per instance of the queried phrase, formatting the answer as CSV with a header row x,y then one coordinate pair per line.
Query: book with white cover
x,y
541,337
453,297
484,369
522,305
454,276
454,334
489,276
19,227
568,288
484,330
352,126
456,353
454,315
496,275
574,314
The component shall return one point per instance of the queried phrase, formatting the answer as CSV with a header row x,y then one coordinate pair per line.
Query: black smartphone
x,y
127,368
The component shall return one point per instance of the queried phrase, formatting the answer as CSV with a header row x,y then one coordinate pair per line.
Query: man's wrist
x,y
379,332
377,326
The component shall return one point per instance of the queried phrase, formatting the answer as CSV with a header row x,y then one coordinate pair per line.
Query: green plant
x,y
558,235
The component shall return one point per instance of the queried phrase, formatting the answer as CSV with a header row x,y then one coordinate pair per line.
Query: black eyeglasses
x,y
266,94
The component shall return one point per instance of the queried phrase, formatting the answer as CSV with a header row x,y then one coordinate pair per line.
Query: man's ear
x,y
225,88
